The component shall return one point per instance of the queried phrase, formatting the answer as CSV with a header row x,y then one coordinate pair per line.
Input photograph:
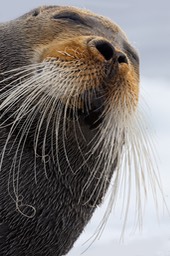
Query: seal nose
x,y
105,49
121,58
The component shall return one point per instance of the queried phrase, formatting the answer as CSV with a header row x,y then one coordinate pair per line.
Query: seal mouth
x,y
94,115
92,108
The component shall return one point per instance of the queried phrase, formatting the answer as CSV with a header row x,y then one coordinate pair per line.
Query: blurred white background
x,y
147,24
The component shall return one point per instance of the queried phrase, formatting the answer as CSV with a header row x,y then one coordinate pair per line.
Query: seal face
x,y
69,84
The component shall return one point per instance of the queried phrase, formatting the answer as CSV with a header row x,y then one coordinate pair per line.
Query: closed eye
x,y
71,16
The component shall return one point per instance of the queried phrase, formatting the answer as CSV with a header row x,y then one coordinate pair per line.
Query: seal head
x,y
69,84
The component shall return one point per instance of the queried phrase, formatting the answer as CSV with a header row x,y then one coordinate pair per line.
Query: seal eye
x,y
69,16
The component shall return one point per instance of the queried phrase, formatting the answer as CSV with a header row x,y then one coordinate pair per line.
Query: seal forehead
x,y
88,18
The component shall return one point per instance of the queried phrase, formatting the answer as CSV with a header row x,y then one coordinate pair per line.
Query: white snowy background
x,y
147,24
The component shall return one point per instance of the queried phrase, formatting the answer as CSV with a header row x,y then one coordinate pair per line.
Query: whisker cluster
x,y
47,94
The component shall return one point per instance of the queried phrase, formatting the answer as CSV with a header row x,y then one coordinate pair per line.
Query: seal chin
x,y
93,114
93,119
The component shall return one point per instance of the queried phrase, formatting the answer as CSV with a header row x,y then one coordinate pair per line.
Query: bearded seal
x,y
69,89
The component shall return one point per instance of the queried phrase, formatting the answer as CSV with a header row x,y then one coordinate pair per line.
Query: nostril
x,y
121,58
105,48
